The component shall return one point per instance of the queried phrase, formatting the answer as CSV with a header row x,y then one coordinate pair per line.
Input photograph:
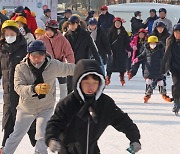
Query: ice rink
x,y
159,127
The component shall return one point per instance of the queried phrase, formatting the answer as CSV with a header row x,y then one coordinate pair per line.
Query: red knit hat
x,y
119,19
104,7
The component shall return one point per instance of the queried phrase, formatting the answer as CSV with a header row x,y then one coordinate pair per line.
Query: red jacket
x,y
31,21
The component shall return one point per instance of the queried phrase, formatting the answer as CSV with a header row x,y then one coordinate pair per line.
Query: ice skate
x,y
107,80
146,98
176,109
167,98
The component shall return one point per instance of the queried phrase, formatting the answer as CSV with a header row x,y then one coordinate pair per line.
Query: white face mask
x,y
152,46
10,39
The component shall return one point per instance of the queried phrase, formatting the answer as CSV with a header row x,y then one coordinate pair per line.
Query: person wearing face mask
x,y
34,82
24,30
162,18
137,44
152,55
171,62
119,41
105,20
13,48
136,22
59,48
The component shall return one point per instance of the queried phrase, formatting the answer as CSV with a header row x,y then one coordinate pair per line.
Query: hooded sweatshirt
x,y
72,124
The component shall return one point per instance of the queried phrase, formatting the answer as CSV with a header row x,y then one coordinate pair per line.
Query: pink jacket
x,y
61,47
134,42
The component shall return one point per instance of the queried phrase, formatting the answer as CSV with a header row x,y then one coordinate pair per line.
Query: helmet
x,y
68,11
152,10
52,24
33,14
21,19
153,39
176,27
9,23
160,24
74,19
46,11
104,8
162,10
37,46
92,21
142,30
119,19
137,13
19,9
39,31
4,12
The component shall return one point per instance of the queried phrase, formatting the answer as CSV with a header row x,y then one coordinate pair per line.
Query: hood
x,y
133,19
83,68
159,46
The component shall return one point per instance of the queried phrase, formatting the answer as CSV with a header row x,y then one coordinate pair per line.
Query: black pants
x,y
69,84
9,128
135,68
176,85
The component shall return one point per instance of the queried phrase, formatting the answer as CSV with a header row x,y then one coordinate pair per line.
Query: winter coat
x,y
120,46
10,56
70,128
82,44
136,24
167,22
60,45
2,18
24,80
134,42
150,22
102,43
45,19
153,61
105,21
162,37
168,63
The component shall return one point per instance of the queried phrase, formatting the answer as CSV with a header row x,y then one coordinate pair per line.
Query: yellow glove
x,y
42,88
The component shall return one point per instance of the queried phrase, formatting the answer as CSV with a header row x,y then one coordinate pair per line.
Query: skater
x,y
34,82
162,18
137,44
171,62
91,14
81,43
13,48
119,41
152,55
101,40
46,16
59,48
39,32
81,118
105,20
24,30
67,15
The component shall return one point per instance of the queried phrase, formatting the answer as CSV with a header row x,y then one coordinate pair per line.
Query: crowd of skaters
x,y
154,44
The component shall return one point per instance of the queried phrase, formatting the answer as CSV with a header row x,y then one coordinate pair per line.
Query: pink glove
x,y
135,61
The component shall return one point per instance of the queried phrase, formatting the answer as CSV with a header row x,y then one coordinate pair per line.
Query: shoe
x,y
167,98
146,98
129,75
107,80
176,109
122,80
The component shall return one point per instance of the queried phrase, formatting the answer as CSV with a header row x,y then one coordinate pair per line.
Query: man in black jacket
x,y
81,43
81,118
171,62
67,15
136,22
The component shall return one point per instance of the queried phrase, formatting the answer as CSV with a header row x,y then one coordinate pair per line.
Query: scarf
x,y
93,33
38,75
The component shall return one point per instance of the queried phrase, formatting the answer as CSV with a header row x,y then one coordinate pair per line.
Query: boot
x,y
146,98
107,80
129,75
176,107
63,91
122,80
167,98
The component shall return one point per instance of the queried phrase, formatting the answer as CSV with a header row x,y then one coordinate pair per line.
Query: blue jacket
x,y
106,21
150,22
